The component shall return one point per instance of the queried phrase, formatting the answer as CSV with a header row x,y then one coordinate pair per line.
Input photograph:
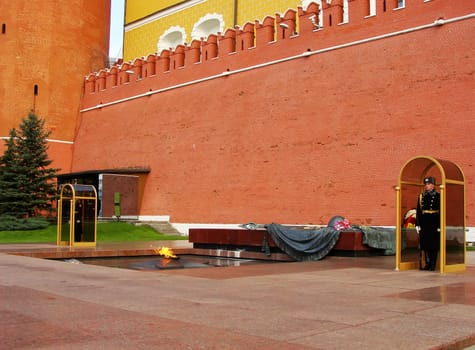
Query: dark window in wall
x,y
4,28
330,20
35,93
384,5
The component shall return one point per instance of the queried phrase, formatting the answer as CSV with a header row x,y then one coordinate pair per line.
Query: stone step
x,y
164,227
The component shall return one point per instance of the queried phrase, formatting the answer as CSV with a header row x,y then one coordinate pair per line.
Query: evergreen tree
x,y
11,196
27,185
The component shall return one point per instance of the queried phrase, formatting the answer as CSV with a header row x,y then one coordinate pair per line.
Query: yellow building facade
x,y
154,26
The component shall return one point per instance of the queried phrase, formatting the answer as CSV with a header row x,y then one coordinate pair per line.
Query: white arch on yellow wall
x,y
172,37
211,23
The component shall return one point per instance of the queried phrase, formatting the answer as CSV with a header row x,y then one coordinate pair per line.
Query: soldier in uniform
x,y
428,223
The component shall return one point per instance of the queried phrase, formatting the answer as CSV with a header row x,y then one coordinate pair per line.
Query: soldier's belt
x,y
430,212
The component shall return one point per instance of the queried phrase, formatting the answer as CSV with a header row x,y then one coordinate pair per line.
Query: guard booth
x,y
77,215
451,185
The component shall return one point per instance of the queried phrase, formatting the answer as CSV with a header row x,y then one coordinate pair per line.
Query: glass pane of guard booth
x,y
409,237
410,188
65,228
77,217
455,224
84,220
451,184
455,215
452,171
64,214
84,191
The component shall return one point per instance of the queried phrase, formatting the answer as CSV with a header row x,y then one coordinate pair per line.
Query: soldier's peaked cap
x,y
429,180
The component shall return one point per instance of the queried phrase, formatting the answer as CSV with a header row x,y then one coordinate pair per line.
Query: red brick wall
x,y
302,140
53,45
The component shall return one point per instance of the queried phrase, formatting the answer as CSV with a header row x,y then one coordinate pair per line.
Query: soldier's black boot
x,y
432,259
426,261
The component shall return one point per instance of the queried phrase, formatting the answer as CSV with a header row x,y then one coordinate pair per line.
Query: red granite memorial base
x,y
350,243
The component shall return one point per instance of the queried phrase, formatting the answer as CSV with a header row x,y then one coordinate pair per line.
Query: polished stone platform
x,y
51,251
104,249
336,303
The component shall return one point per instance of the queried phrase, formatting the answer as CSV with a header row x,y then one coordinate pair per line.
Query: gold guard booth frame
x,y
77,216
451,185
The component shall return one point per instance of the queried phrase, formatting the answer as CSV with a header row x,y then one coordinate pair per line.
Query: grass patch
x,y
122,231
106,232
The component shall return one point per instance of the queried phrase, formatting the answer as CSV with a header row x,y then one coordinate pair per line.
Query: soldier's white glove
x,y
418,229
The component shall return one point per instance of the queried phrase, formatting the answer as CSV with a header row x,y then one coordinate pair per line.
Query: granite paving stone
x,y
335,303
